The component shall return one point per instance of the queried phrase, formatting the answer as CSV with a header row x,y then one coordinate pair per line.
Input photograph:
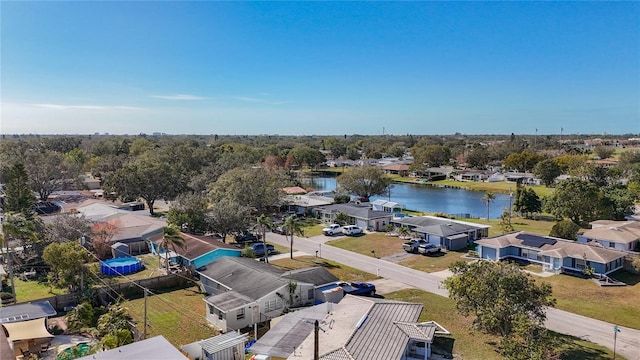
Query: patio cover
x,y
26,330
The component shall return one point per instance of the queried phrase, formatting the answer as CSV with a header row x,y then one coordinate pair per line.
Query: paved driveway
x,y
596,331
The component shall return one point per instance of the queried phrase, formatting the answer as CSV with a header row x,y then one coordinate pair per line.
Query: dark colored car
x,y
279,230
358,288
246,237
258,249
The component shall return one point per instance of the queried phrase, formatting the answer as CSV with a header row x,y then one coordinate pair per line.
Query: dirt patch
x,y
395,258
385,286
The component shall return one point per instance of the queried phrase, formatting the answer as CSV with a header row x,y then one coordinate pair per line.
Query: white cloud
x,y
84,107
179,97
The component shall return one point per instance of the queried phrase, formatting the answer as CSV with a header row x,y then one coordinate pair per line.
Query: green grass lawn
x,y
471,344
178,315
342,272
615,304
380,243
34,289
540,226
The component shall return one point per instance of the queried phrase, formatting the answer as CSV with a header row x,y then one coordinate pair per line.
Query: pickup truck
x,y
358,288
426,249
413,245
332,230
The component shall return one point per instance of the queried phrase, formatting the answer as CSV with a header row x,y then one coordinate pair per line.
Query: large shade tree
x,y
188,212
227,217
573,198
364,182
254,187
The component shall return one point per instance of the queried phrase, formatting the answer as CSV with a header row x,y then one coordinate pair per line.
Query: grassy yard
x,y
541,226
342,272
471,344
435,262
615,304
34,289
178,315
378,242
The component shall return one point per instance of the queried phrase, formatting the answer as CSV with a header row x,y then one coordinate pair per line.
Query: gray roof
x,y
378,338
313,275
361,211
154,348
443,230
419,331
438,226
245,276
26,311
228,300
288,333
222,342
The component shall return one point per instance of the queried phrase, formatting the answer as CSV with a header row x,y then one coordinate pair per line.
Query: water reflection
x,y
430,199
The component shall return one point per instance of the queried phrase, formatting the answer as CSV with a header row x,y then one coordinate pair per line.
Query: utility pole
x,y
616,330
510,204
316,340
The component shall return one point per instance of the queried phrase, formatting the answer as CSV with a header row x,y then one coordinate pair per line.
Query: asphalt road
x,y
596,331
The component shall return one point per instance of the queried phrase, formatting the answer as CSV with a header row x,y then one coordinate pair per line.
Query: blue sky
x,y
296,68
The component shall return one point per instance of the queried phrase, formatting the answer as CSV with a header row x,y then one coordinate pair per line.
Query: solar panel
x,y
535,240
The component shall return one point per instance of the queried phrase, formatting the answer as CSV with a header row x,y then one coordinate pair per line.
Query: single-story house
x,y
617,235
224,346
446,233
356,328
522,178
554,254
396,169
435,173
199,250
293,190
26,311
388,206
361,215
156,347
243,291
473,175
301,204
126,227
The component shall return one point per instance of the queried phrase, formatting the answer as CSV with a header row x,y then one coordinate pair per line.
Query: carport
x,y
456,242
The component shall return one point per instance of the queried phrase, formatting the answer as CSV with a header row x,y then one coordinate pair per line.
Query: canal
x,y
431,199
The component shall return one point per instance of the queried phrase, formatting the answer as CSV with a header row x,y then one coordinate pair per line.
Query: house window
x,y
580,264
310,294
272,304
524,253
612,244
240,314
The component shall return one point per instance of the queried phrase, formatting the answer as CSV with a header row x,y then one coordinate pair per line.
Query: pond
x,y
431,199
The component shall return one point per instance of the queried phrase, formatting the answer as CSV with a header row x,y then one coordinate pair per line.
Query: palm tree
x,y
171,237
264,223
488,198
292,227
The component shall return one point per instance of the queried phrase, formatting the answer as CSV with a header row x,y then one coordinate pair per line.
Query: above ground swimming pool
x,y
120,266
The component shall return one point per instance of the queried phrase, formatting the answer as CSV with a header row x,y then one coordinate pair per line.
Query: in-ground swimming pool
x,y
120,266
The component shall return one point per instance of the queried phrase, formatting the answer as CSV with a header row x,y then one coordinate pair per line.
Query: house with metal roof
x,y
446,233
156,347
616,235
362,215
356,328
554,254
224,346
26,311
243,291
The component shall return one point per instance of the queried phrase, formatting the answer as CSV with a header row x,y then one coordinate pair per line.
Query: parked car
x,y
351,230
358,288
246,237
279,230
332,230
258,249
427,249
413,245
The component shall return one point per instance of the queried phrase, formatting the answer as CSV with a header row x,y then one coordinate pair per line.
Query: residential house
x,y
199,250
26,311
243,291
361,215
302,204
448,234
616,235
472,175
221,347
130,228
156,347
516,177
387,206
435,173
554,254
396,169
356,328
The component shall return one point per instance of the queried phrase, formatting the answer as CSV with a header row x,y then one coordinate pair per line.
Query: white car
x,y
351,230
332,229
